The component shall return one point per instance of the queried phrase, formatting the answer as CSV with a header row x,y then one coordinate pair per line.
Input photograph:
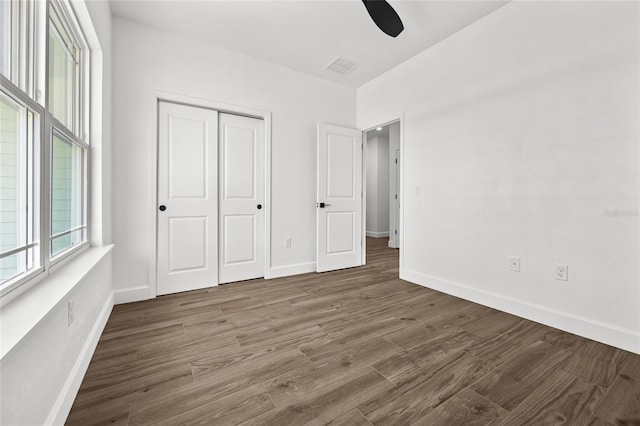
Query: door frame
x,y
154,104
369,125
396,207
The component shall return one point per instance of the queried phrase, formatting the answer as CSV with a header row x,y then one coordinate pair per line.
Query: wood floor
x,y
352,347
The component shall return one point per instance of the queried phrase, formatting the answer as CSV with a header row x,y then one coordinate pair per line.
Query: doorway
x,y
382,170
211,211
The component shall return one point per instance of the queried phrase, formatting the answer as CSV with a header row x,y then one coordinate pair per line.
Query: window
x,y
18,253
7,44
67,200
63,73
67,226
17,41
43,163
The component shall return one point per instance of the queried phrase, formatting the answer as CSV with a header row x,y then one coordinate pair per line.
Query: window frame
x,y
31,90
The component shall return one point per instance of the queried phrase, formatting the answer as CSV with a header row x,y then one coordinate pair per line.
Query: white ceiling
x,y
306,35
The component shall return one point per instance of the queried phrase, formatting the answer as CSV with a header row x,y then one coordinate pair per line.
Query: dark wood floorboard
x,y
356,347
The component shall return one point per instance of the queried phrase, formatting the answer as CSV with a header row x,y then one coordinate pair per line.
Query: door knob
x,y
323,205
259,206
162,208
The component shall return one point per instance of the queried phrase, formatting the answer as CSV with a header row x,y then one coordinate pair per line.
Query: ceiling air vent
x,y
342,66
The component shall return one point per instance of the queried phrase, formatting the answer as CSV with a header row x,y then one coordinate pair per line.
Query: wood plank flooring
x,y
351,347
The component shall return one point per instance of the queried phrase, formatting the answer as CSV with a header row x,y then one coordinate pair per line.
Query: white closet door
x,y
241,225
187,198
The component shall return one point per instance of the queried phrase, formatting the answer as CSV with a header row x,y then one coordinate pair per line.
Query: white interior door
x,y
241,243
187,198
339,202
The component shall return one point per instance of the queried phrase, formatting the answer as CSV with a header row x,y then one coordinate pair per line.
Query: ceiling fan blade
x,y
384,16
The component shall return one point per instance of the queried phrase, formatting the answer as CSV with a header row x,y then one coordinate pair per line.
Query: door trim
x,y
372,125
155,99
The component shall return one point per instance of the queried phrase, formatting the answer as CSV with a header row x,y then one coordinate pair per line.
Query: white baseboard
x,y
285,271
373,234
60,411
132,294
609,334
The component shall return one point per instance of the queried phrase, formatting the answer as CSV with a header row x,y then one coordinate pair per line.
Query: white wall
x,y
149,60
40,376
521,139
377,174
43,358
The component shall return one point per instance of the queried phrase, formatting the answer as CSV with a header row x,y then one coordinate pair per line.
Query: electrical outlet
x,y
287,242
71,312
514,264
562,272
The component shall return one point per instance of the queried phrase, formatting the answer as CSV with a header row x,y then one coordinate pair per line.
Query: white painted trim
x,y
296,269
157,96
96,170
363,199
131,294
152,286
401,195
267,195
377,234
394,204
609,334
61,408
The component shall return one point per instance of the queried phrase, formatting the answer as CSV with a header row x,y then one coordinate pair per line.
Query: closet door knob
x,y
162,208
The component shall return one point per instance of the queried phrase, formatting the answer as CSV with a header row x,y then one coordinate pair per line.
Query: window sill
x,y
23,314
